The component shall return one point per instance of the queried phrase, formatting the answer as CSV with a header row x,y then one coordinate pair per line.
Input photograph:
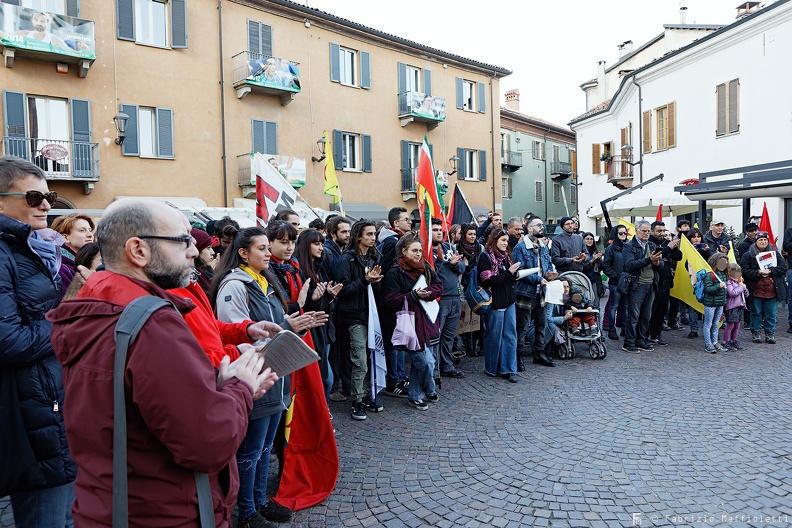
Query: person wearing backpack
x,y
714,300
470,250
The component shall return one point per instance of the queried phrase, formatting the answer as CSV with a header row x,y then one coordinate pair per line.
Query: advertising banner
x,y
292,168
274,73
28,29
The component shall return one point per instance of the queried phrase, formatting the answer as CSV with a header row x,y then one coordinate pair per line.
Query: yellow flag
x,y
692,262
730,255
330,179
630,227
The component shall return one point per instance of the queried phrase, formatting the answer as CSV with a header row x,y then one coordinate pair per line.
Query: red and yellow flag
x,y
426,184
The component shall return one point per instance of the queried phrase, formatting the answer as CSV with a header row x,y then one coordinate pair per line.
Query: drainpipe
x,y
544,175
640,132
222,102
492,139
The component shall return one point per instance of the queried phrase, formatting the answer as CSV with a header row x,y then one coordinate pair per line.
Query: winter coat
x,y
501,285
449,275
736,292
713,243
179,420
325,334
714,289
634,259
28,290
665,272
330,260
398,286
613,260
352,301
750,270
566,246
386,245
240,298
66,270
531,255
787,245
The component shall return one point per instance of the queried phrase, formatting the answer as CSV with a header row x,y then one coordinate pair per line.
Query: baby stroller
x,y
594,341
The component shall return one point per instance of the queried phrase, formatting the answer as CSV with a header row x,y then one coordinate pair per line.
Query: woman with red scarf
x,y
498,273
398,287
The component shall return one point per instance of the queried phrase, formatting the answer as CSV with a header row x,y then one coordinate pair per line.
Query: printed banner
x,y
292,168
272,72
430,106
28,29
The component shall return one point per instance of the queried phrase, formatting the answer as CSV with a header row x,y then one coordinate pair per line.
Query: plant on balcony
x,y
606,156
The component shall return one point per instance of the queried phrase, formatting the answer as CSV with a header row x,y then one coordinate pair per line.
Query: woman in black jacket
x,y
592,268
766,286
613,265
470,250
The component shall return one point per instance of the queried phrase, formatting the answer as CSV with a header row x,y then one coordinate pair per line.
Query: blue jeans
x,y
712,315
763,315
691,314
253,462
327,372
421,377
616,302
639,307
789,296
500,341
450,310
44,508
394,362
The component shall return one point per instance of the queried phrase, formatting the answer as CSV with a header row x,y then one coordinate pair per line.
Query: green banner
x,y
28,29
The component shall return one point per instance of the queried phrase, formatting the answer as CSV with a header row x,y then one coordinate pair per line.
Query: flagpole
x,y
309,205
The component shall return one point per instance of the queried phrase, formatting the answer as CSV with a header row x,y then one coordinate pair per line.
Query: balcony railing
x,y
408,180
59,159
620,172
47,36
511,158
270,75
561,167
291,168
418,106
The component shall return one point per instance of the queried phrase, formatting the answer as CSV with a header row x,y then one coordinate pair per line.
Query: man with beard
x,y
338,229
515,230
671,255
182,417
449,266
567,248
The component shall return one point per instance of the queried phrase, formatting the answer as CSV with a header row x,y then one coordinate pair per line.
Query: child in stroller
x,y
584,319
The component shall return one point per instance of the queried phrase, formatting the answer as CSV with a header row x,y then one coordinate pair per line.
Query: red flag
x,y
764,225
426,184
426,234
659,217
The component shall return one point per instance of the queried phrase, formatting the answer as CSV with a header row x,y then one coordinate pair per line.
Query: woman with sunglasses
x,y
41,478
613,265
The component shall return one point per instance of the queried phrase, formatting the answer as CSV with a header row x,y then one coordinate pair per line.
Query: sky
x,y
552,47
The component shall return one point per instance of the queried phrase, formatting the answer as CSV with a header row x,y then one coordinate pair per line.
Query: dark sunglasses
x,y
185,239
34,198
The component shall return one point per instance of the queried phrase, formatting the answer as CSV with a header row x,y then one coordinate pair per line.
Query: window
x,y
556,192
466,96
259,39
728,108
149,132
538,150
468,93
413,79
506,187
573,192
161,23
539,191
556,154
151,22
348,66
664,128
265,136
57,7
352,151
344,66
470,165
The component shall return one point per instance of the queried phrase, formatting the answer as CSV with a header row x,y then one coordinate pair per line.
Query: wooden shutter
x,y
338,149
625,140
720,101
14,112
734,106
178,23
595,159
72,8
335,63
671,124
647,131
266,40
125,20
573,160
482,155
461,172
427,82
81,135
365,70
459,94
482,98
366,140
131,145
164,133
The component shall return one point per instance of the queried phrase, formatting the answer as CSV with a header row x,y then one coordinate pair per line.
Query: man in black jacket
x,y
642,259
338,229
787,247
671,254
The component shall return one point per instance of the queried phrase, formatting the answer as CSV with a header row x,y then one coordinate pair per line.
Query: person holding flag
x,y
429,202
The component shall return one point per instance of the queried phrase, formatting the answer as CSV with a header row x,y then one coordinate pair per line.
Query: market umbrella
x,y
645,201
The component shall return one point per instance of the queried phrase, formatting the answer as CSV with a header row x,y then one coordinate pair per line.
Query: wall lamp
x,y
629,150
321,144
454,161
120,120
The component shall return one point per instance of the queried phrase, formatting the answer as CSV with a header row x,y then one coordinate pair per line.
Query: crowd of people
x,y
198,398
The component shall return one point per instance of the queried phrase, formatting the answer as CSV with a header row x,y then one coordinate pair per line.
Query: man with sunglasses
x,y
37,469
182,417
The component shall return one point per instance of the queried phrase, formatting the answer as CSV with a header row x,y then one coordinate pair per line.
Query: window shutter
x,y
647,131
259,135
265,40
125,20
720,101
365,70
131,146
595,158
539,191
178,23
366,152
14,112
459,94
671,124
271,137
254,37
482,155
164,133
573,160
338,150
624,137
81,135
72,8
335,63
427,82
461,172
402,69
482,98
734,105
11,2
406,174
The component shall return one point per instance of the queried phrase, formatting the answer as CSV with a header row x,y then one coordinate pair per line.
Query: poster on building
x,y
272,72
424,105
28,29
292,168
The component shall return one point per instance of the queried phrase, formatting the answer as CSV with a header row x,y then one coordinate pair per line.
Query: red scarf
x,y
412,268
291,271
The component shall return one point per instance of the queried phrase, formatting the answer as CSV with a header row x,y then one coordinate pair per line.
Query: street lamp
x,y
322,144
629,150
120,120
454,161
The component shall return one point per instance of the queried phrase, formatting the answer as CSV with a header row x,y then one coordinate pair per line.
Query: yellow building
x,y
204,84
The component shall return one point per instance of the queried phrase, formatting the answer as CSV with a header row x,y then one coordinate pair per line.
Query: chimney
x,y
625,48
748,8
682,13
513,100
601,77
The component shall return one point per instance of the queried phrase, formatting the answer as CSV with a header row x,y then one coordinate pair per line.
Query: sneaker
x,y
675,326
692,335
432,398
770,339
397,391
644,346
512,378
612,334
737,346
337,397
453,374
576,331
710,349
357,411
371,406
254,521
418,404
657,341
729,345
593,330
666,327
756,336
272,511
720,347
630,349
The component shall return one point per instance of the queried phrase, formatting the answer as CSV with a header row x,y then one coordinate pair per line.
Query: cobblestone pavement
x,y
674,437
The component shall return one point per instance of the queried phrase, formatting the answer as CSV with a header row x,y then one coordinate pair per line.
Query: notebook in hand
x,y
285,353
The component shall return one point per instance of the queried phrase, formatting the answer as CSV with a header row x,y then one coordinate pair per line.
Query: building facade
x,y
204,85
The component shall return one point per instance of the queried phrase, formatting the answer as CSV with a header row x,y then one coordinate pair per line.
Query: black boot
x,y
541,358
520,364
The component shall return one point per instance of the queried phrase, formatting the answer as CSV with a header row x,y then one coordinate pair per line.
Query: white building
x,y
717,110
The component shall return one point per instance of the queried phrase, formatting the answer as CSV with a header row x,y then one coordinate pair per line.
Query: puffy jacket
x,y
613,260
352,301
179,420
398,286
750,270
27,291
531,255
714,294
736,292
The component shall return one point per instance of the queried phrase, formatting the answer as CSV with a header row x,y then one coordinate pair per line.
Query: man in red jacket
x,y
181,416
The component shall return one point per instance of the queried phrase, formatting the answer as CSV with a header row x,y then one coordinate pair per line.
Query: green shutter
x,y
338,151
461,163
482,155
271,141
427,82
131,145
460,101
14,112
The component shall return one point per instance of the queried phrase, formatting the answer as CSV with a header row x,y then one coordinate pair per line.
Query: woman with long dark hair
x,y
470,250
592,268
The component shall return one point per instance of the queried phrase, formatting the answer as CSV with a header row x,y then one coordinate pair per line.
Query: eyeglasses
x,y
540,224
34,198
184,239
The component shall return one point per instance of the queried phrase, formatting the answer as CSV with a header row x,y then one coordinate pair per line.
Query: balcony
x,y
620,172
422,108
511,159
408,184
60,160
291,168
48,36
563,169
254,72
